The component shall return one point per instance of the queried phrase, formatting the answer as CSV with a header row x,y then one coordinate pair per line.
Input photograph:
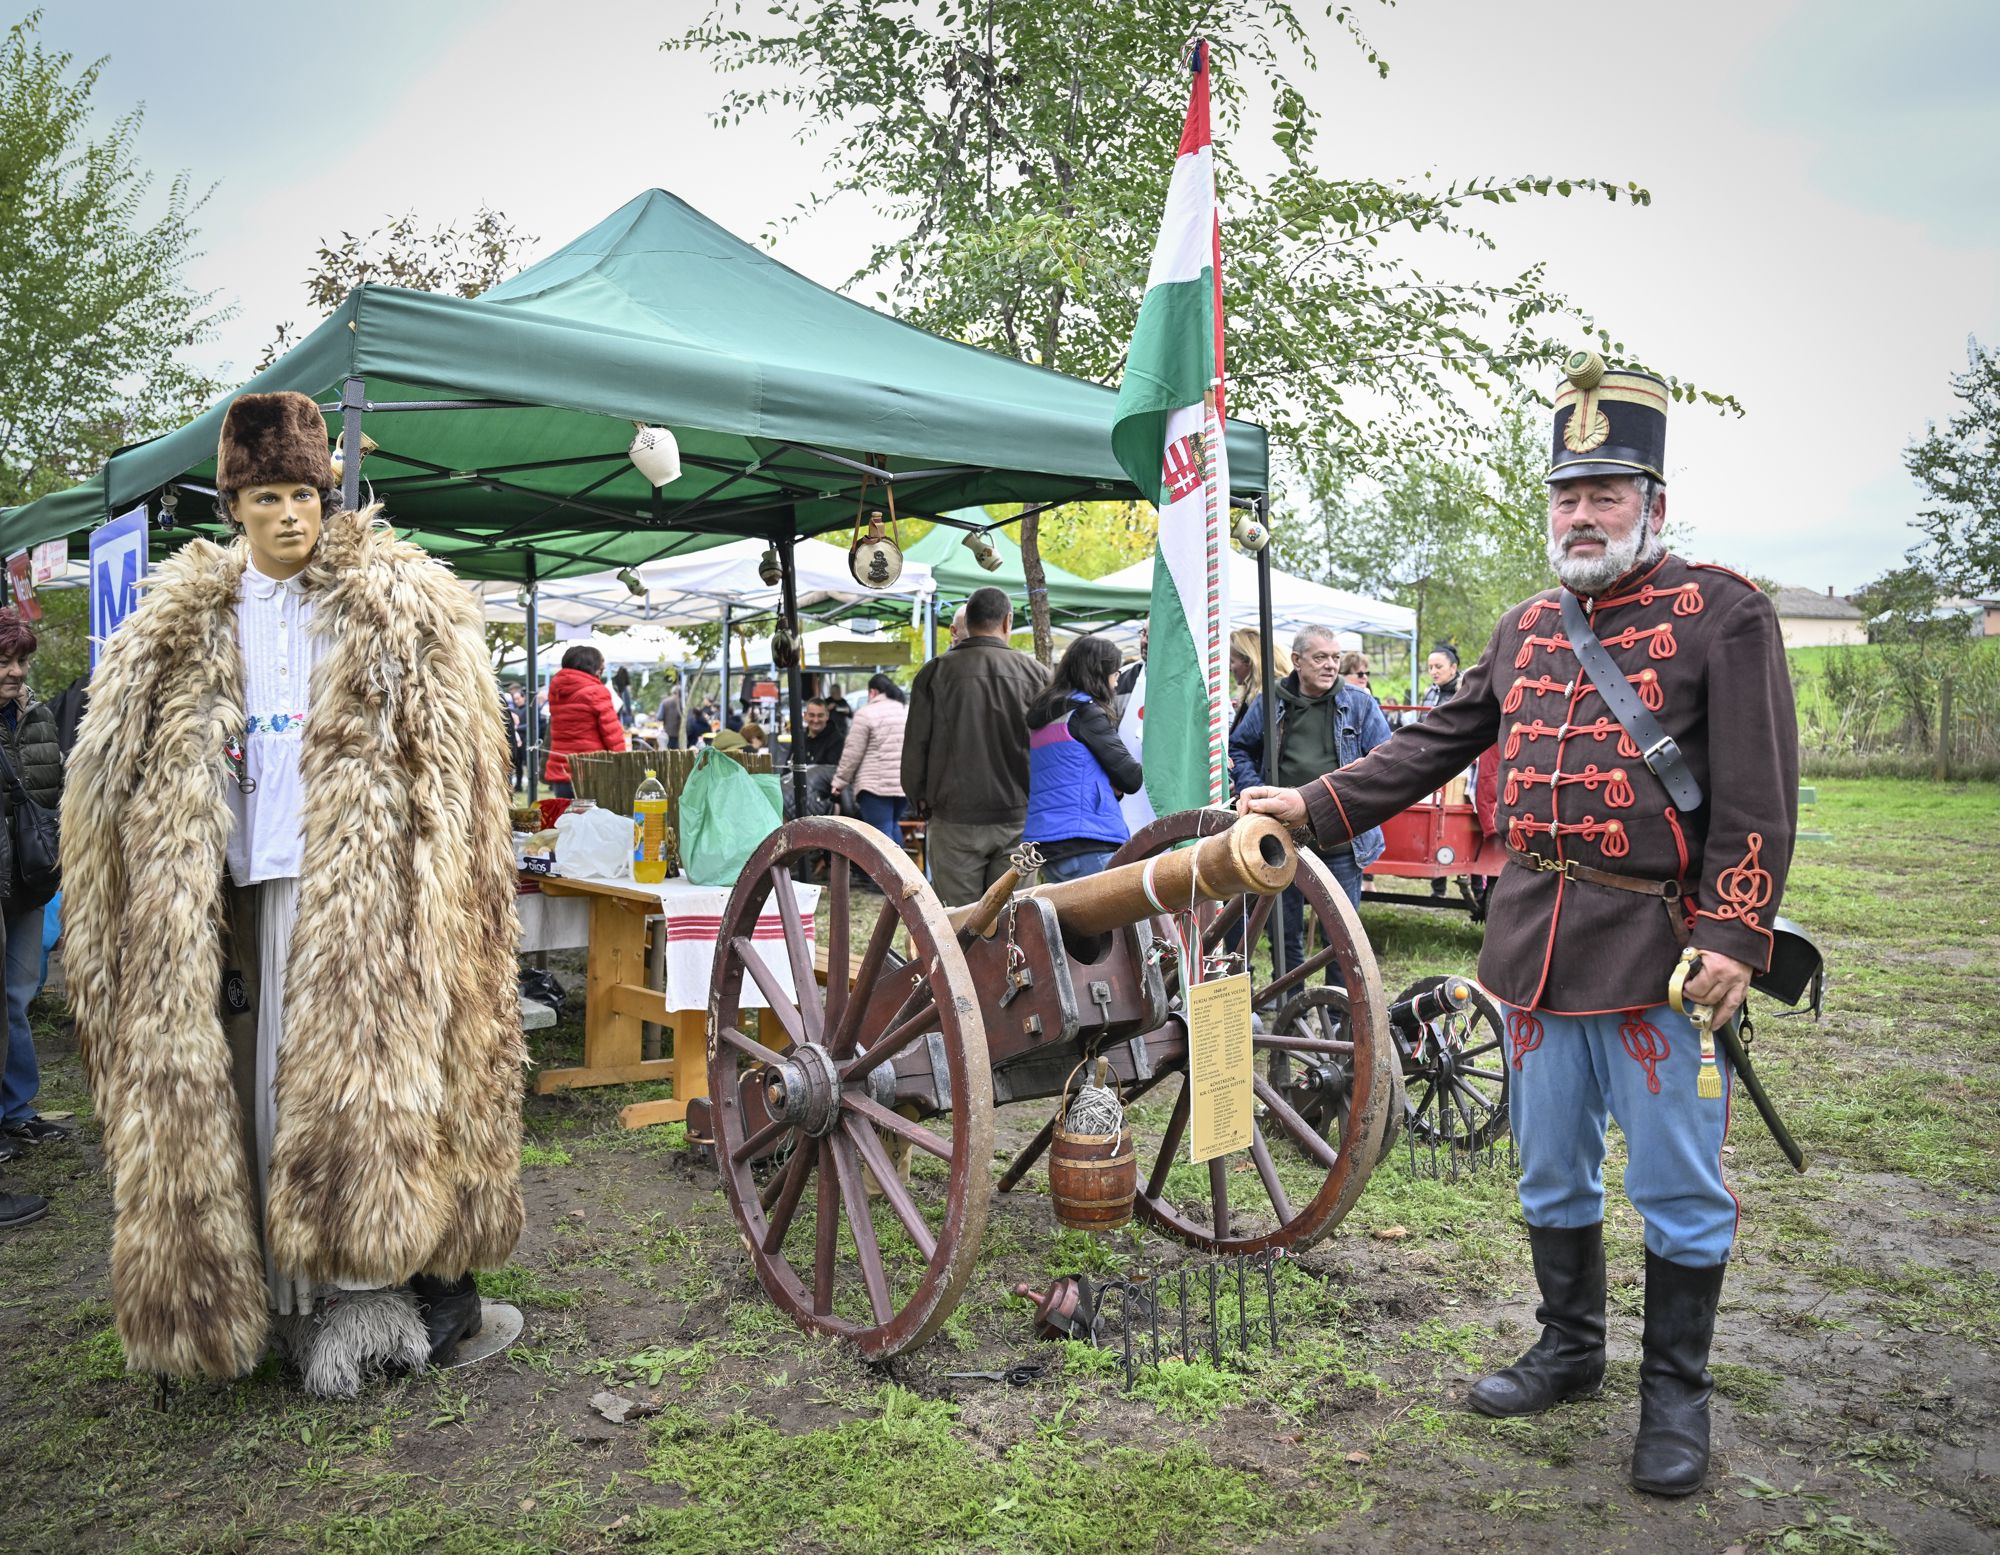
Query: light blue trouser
x,y
1641,1067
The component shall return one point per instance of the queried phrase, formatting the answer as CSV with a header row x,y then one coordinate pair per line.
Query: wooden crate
x,y
611,778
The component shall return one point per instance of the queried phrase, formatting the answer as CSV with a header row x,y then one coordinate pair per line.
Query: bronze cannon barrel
x,y
1255,855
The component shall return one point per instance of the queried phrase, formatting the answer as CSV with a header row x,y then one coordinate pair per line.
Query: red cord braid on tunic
x,y
1603,729
1687,598
1524,1034
1534,611
1610,836
1646,1044
1534,729
1546,644
1659,640
1616,785
1523,685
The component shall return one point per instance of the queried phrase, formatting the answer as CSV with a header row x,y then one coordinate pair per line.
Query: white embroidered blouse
x,y
279,652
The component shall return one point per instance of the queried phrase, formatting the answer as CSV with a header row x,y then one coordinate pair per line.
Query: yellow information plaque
x,y
1219,1067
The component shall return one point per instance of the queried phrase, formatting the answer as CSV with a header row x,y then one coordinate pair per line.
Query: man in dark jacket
x,y
822,744
965,750
1323,724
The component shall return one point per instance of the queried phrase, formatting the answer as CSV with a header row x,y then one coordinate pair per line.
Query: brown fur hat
x,y
270,440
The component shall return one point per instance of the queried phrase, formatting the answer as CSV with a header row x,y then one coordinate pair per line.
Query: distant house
x,y
1809,619
1982,614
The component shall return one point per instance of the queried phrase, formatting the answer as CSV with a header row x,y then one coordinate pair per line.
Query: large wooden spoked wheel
x,y
1215,1206
844,1237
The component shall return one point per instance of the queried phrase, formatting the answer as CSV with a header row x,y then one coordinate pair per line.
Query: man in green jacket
x,y
965,750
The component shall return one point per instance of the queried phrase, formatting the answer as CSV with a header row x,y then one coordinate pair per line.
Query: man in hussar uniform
x,y
1610,877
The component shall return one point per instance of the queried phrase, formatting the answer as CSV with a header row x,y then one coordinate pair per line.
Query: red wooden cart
x,y
1437,838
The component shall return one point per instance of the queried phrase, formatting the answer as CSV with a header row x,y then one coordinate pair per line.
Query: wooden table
x,y
618,1003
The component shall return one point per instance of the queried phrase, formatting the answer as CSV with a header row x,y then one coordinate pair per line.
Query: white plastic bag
x,y
595,844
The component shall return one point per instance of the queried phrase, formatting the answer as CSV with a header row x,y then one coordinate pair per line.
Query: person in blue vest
x,y
1078,768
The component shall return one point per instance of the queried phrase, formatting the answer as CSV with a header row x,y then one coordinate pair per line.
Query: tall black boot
x,y
450,1310
1568,1360
1670,1457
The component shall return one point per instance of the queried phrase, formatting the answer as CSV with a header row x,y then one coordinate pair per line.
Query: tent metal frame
x,y
354,403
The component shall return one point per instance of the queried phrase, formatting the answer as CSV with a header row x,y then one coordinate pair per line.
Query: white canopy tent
x,y
696,589
1295,602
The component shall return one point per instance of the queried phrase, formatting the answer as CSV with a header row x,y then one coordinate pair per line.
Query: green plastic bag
x,y
725,814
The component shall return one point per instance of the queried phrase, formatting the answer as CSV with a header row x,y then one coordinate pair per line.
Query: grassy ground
x,y
1857,1361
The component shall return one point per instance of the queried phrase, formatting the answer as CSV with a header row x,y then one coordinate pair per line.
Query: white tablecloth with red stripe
x,y
693,922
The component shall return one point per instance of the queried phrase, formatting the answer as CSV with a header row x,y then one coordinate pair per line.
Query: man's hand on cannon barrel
x,y
1719,982
1286,805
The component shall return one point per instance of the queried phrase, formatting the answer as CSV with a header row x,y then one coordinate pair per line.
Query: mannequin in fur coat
x,y
394,1154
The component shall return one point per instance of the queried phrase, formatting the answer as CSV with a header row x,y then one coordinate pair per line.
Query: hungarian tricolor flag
x,y
1168,437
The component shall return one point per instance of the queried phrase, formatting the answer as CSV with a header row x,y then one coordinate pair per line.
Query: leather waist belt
x,y
1669,892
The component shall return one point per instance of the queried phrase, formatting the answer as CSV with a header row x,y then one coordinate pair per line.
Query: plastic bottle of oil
x,y
649,832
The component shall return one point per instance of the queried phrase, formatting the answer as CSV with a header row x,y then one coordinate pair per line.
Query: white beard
x,y
1593,574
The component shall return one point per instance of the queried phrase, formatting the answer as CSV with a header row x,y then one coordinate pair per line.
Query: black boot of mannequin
x,y
1568,1360
450,1310
1670,1457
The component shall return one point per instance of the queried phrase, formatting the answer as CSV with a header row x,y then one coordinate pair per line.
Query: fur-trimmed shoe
x,y
353,1335
1568,1360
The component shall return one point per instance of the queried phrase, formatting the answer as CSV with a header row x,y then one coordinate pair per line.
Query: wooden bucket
x,y
1093,1178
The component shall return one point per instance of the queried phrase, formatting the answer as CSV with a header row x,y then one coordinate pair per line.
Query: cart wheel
x,y
1321,1089
1194,1202
883,1272
1456,1078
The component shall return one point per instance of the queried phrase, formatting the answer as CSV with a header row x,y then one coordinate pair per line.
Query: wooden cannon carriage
x,y
857,1145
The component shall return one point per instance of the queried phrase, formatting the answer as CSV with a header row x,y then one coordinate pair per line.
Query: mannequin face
x,y
282,524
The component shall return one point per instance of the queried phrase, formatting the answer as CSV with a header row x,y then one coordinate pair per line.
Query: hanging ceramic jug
x,y
874,558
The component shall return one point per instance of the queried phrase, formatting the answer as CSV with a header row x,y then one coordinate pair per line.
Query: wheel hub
x,y
805,1090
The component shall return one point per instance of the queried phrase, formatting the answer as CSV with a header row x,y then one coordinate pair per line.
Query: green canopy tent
x,y
780,392
1071,598
501,423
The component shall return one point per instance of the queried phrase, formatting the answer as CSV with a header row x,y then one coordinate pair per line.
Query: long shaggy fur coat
x,y
399,1084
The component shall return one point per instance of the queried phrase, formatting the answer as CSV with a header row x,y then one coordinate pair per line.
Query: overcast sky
x,y
1824,233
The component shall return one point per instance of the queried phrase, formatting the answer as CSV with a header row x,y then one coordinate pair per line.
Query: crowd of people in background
x,y
987,749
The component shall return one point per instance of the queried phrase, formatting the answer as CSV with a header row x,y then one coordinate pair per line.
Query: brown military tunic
x,y
1702,646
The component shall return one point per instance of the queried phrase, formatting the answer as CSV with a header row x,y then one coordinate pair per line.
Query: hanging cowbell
x,y
875,559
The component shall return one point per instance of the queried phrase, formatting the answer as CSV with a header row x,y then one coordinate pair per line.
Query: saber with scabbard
x,y
1734,1035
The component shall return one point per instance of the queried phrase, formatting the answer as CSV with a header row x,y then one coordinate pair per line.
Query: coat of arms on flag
x,y
1168,436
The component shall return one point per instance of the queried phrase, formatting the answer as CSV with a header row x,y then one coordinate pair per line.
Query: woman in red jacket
x,y
582,716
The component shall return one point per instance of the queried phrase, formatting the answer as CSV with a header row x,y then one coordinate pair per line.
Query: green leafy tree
x,y
1959,468
1456,540
95,315
1018,152
460,259
1924,653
